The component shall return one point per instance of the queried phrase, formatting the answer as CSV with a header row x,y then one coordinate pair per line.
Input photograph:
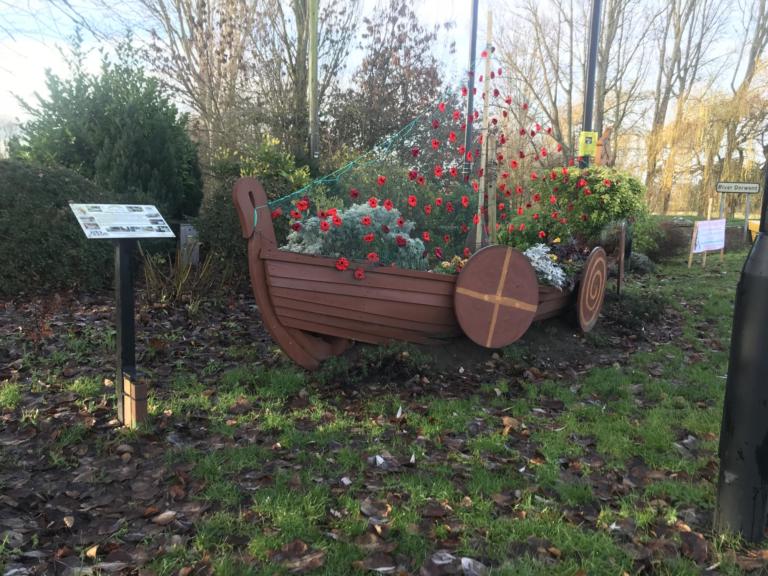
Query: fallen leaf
x,y
92,552
375,508
371,542
379,562
694,546
164,518
436,509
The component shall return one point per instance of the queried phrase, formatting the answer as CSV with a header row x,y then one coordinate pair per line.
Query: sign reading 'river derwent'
x,y
113,221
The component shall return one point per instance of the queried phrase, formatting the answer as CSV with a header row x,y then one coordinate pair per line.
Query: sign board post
x,y
747,188
742,488
708,235
124,224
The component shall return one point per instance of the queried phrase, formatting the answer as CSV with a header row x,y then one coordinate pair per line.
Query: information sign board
x,y
738,187
587,143
709,235
115,221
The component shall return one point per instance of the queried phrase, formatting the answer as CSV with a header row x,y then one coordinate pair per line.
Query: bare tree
x,y
280,68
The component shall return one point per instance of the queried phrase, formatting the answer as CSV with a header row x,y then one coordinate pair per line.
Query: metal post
x,y
314,122
746,218
589,93
126,331
471,88
742,492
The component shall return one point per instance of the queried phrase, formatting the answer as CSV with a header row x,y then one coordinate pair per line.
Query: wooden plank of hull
x,y
322,272
356,333
311,309
552,302
386,295
283,256
438,315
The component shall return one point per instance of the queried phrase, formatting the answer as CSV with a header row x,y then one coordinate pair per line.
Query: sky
x,y
33,32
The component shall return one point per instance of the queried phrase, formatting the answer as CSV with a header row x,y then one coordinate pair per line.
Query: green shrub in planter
x,y
43,246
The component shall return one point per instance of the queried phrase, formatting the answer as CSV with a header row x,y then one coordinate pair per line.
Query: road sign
x,y
738,188
114,221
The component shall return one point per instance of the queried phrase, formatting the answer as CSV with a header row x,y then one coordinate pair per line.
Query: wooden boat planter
x,y
313,311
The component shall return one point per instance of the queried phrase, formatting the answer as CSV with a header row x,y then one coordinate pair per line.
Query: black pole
x,y
126,331
742,490
471,88
589,92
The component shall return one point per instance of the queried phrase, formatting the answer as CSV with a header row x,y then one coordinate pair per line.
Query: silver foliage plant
x,y
547,270
347,240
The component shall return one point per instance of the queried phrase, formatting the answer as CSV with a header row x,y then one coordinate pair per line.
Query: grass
x,y
294,456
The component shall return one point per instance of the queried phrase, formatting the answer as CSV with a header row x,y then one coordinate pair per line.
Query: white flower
x,y
547,270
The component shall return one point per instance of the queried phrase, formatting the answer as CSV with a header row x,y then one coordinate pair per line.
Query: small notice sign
x,y
709,235
587,143
738,188
113,221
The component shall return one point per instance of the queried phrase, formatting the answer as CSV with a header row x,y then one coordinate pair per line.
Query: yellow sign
x,y
587,143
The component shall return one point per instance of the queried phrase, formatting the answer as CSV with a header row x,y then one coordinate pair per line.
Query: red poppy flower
x,y
438,253
372,257
587,192
412,174
469,157
520,211
525,106
513,164
449,207
555,216
461,149
354,193
523,131
552,199
276,213
336,220
342,264
483,54
331,212
412,200
475,185
607,182
502,206
428,209
435,143
400,241
528,205
456,115
465,201
522,226
446,239
534,176
584,217
441,106
359,274
518,189
302,205
553,175
543,152
563,220
415,152
400,222
559,147
495,90
570,162
581,183
453,171
365,220
464,228
452,136
467,252
388,205
439,201
296,226
425,236
381,180
295,214
373,202
369,237
476,219
421,180
324,226
499,157
536,197
464,91
438,171
536,216
520,154
542,234
435,124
